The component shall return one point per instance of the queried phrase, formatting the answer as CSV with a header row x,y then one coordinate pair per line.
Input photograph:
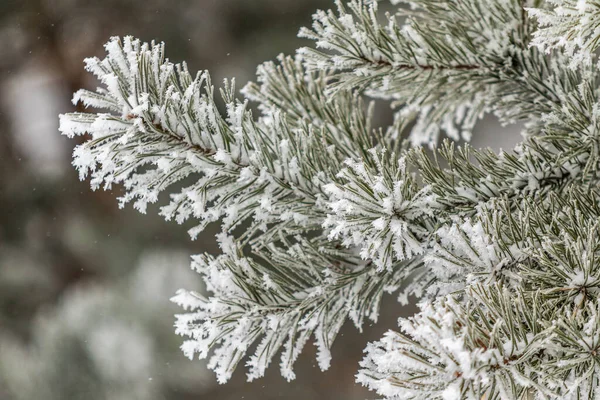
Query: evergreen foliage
x,y
322,212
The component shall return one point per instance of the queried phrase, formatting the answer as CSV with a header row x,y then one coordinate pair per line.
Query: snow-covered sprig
x,y
166,127
288,85
437,66
559,147
463,177
492,343
376,205
464,253
541,286
572,25
558,241
572,366
446,65
460,349
537,243
300,290
320,216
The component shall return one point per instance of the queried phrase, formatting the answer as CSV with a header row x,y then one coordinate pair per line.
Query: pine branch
x,y
447,66
377,206
460,349
267,175
298,291
438,83
571,25
527,320
289,86
169,129
320,217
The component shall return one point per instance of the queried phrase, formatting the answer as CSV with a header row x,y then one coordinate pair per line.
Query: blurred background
x,y
85,287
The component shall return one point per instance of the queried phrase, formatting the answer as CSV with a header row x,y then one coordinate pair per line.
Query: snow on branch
x,y
437,67
301,290
263,178
533,328
322,213
459,349
573,25
377,206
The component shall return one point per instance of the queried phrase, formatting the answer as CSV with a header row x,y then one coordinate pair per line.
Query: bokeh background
x,y
84,286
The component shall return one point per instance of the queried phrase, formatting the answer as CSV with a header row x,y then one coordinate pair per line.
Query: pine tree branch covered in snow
x,y
322,212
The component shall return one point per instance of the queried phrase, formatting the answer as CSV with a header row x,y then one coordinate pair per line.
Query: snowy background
x,y
84,287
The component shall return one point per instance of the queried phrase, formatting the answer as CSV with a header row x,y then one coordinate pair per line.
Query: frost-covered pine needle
x,y
322,212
